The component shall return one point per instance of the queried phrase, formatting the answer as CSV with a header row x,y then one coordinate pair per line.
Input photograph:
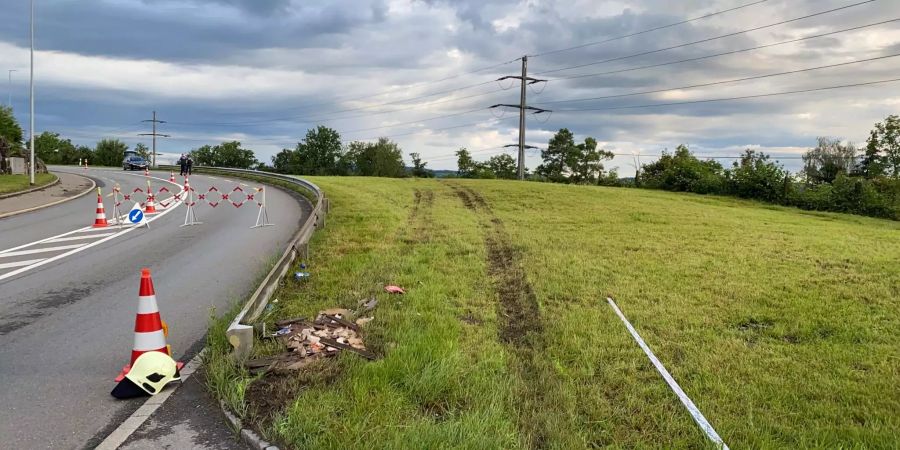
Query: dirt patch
x,y
419,222
521,326
520,315
269,396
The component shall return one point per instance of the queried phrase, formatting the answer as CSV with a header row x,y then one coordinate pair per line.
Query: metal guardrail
x,y
240,331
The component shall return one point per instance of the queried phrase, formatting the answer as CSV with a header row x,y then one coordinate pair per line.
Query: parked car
x,y
134,162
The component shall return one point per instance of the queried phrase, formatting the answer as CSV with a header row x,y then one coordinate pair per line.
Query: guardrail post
x,y
240,337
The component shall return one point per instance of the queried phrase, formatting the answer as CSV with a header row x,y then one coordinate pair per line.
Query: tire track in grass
x,y
522,329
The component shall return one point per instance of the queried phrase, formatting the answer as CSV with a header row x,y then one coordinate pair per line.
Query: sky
x,y
424,73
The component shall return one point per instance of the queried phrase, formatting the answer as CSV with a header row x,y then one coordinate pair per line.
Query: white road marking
x,y
105,237
40,250
685,400
19,263
77,238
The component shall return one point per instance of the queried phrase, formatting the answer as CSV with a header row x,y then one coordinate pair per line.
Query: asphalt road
x,y
66,325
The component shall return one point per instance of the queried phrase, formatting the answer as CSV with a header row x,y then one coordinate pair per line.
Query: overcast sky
x,y
264,71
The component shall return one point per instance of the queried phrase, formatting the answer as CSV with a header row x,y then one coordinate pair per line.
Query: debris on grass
x,y
394,289
326,336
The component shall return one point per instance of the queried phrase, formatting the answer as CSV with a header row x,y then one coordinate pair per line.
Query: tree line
x,y
321,152
836,176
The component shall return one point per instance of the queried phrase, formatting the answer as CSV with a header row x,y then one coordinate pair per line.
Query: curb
x,y
247,435
26,191
82,194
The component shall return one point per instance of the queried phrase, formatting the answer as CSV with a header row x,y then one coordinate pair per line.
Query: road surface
x,y
67,314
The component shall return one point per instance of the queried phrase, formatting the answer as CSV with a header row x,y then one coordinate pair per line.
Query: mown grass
x,y
780,324
14,183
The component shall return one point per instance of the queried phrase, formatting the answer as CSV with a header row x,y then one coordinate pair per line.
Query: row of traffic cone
x,y
100,220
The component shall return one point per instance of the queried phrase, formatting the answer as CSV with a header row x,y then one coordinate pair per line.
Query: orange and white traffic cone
x,y
150,208
172,177
149,329
100,218
146,172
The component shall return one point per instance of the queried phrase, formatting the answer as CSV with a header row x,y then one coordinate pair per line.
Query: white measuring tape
x,y
691,407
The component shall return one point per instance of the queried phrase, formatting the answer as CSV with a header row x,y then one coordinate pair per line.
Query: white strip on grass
x,y
691,407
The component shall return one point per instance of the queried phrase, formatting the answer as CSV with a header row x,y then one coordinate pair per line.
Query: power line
x,y
773,94
715,83
687,44
323,119
588,44
732,52
281,119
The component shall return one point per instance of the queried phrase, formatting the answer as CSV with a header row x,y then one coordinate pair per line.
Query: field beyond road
x,y
781,325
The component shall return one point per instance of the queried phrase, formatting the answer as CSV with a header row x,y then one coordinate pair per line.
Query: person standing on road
x,y
182,162
190,165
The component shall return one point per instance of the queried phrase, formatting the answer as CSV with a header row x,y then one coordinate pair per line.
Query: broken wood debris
x,y
326,336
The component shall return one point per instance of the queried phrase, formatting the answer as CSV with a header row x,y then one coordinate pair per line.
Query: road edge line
x,y
685,400
139,416
28,210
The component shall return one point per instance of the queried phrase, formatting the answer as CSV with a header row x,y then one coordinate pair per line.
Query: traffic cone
x,y
149,334
100,218
146,172
150,208
172,177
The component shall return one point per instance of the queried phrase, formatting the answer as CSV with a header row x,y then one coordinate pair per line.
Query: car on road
x,y
134,162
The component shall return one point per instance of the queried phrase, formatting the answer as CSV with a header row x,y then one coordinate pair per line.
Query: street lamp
x,y
9,100
31,131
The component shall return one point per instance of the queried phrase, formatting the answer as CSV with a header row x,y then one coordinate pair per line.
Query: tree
x,y
10,129
109,152
319,153
231,154
682,171
883,150
285,161
827,160
418,169
465,165
142,150
754,176
558,156
503,166
375,159
586,162
226,154
52,149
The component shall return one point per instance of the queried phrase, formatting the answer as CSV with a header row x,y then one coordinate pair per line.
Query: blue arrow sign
x,y
135,216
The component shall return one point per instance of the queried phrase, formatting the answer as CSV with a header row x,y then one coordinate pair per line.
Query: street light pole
x,y
9,100
31,131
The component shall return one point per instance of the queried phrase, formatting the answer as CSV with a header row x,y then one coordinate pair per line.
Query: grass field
x,y
781,325
13,183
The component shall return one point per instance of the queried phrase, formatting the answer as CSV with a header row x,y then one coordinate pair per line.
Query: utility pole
x,y
31,131
154,134
9,99
522,106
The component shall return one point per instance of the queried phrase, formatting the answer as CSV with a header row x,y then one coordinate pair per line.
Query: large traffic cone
x,y
172,177
146,172
150,207
149,332
100,218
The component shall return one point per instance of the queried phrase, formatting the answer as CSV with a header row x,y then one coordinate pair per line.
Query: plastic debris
x,y
394,289
301,276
